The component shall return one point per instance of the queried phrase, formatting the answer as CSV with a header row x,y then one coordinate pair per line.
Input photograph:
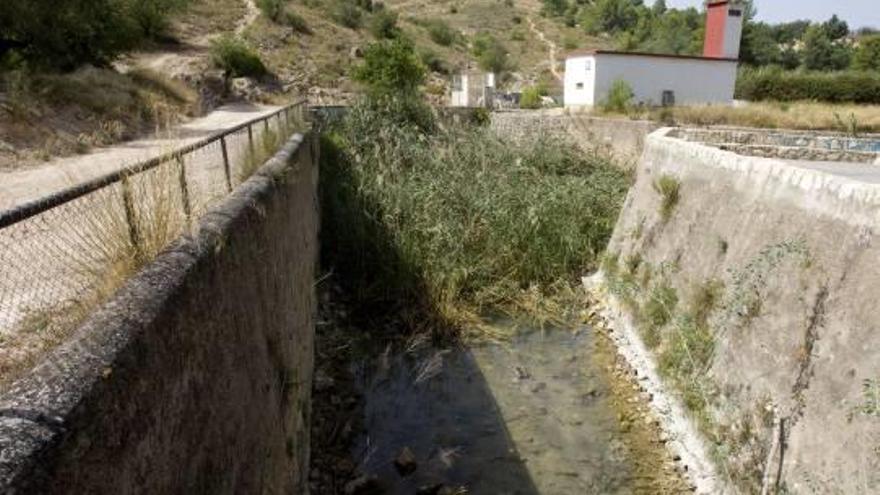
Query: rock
x,y
430,489
364,485
245,88
405,462
522,373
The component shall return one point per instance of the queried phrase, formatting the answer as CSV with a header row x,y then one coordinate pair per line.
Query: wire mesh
x,y
55,265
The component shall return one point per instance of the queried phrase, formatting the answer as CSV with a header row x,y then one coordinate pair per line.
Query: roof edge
x,y
582,53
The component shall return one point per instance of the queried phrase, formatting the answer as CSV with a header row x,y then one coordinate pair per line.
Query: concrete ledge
x,y
195,376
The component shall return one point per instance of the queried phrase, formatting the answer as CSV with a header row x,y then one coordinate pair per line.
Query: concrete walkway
x,y
22,186
862,172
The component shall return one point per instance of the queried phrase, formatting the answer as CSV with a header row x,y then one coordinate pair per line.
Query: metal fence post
x,y
184,190
250,129
266,125
134,233
226,164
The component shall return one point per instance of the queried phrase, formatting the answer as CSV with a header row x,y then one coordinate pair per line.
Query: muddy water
x,y
532,416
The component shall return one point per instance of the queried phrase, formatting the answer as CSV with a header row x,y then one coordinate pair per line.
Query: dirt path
x,y
252,13
20,186
551,48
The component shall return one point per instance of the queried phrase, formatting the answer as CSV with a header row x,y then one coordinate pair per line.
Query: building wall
x,y
716,18
733,31
694,81
577,73
196,376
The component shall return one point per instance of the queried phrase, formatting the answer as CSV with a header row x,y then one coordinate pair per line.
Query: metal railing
x,y
59,253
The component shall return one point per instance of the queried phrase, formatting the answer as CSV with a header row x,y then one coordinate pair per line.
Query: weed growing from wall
x,y
669,189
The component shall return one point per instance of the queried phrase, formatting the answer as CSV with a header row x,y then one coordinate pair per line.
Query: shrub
x,y
383,25
391,67
433,61
491,54
440,32
346,14
531,96
867,56
619,97
668,187
152,15
831,87
236,58
271,8
296,21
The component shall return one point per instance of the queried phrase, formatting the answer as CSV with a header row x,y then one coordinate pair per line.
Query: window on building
x,y
588,65
579,85
735,13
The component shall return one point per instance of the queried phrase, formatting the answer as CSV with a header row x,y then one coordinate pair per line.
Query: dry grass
x,y
46,115
768,115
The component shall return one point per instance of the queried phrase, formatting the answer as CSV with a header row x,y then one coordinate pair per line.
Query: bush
x,y
619,97
433,61
236,58
531,96
152,15
346,14
296,21
491,54
440,32
391,68
831,87
383,25
271,8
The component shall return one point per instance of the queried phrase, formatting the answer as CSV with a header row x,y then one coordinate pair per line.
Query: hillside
x,y
309,51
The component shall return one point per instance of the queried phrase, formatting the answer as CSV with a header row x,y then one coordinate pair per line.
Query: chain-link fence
x,y
62,254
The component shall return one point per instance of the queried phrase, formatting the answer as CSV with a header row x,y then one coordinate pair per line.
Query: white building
x,y
473,89
658,79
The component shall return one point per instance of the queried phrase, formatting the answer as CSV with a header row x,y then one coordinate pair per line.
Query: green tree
x,y
835,28
659,7
610,16
63,34
391,68
867,55
822,53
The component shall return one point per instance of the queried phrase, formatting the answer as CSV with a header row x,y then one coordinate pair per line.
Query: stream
x,y
529,416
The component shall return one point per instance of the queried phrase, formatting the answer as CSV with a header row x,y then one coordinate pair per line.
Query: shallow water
x,y
528,417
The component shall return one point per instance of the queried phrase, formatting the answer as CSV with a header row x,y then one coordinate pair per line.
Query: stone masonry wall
x,y
791,258
623,139
195,377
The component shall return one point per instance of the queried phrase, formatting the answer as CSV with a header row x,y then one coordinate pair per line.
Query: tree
x,y
822,53
610,16
659,7
835,28
64,34
391,68
867,55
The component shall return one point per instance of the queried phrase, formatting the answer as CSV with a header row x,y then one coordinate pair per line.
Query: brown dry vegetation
x,y
770,115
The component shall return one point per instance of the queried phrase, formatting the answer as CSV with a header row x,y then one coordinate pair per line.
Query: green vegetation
x,y
531,96
441,32
668,187
346,14
391,68
619,97
491,54
65,34
383,24
296,21
836,87
236,58
271,8
446,222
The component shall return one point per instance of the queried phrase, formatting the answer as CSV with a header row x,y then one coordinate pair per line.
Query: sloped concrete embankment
x,y
195,377
754,287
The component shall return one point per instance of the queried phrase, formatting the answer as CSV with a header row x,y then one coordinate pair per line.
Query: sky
x,y
857,13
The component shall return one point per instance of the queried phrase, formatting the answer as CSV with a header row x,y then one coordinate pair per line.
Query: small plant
x,y
236,58
619,98
441,32
660,306
532,97
705,299
871,398
271,8
383,24
481,117
296,21
669,189
346,14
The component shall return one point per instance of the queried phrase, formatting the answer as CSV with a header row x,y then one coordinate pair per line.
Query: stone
x,y
405,462
364,485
